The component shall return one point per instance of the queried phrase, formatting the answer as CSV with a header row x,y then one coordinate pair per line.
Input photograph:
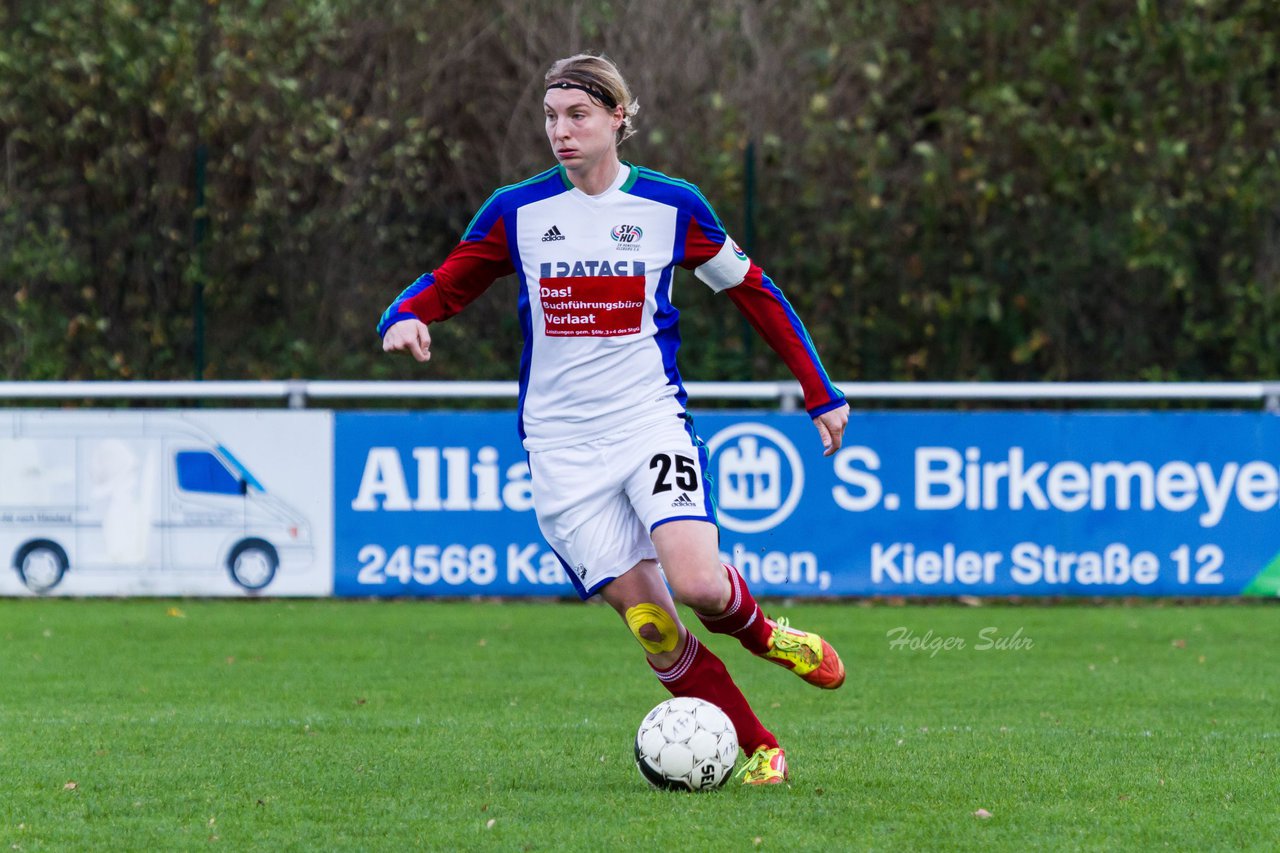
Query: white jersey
x,y
595,272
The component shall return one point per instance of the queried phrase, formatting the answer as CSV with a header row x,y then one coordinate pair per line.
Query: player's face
x,y
581,132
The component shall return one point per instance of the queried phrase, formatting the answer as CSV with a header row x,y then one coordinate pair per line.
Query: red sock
x,y
742,618
700,673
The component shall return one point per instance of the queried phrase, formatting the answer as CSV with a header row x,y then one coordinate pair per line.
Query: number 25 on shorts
x,y
686,473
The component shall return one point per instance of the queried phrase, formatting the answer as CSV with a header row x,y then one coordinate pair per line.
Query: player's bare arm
x,y
409,336
831,428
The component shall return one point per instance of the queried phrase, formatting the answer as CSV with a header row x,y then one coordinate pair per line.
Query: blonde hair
x,y
598,73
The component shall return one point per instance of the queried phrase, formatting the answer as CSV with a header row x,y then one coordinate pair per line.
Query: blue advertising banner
x,y
920,503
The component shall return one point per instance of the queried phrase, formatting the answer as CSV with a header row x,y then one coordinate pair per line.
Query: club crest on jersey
x,y
627,237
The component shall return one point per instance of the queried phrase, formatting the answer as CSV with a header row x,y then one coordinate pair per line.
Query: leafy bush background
x,y
958,190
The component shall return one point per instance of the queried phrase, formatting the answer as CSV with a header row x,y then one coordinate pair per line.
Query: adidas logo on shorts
x,y
683,501
553,234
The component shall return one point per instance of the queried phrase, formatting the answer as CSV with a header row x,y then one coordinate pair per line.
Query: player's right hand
x,y
831,427
409,336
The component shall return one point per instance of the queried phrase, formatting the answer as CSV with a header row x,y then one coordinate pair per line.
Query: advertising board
x,y
166,503
916,503
313,503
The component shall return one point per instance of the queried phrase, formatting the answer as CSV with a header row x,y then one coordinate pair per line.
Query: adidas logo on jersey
x,y
683,501
553,234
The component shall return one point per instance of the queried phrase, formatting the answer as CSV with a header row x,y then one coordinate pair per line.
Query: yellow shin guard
x,y
645,615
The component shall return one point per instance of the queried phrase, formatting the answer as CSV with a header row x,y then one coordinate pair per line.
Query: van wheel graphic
x,y
41,565
253,564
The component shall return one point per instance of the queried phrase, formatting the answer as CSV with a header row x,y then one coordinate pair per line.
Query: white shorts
x,y
598,502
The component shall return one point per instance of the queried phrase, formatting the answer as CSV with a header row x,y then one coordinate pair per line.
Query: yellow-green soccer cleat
x,y
807,655
766,766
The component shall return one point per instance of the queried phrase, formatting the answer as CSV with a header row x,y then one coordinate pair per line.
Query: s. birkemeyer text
x,y
948,478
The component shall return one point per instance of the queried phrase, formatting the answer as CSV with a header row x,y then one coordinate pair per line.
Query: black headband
x,y
600,96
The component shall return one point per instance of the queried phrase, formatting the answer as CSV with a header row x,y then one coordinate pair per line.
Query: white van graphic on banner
x,y
156,503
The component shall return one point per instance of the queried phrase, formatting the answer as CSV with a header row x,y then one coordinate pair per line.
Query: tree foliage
x,y
978,189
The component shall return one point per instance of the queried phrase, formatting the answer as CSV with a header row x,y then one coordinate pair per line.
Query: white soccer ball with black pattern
x,y
686,744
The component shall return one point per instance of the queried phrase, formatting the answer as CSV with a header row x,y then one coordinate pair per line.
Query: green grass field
x,y
325,725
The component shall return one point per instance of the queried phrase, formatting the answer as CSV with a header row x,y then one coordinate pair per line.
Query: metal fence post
x,y
297,393
788,397
1271,397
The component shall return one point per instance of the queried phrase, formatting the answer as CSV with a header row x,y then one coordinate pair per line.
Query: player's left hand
x,y
831,428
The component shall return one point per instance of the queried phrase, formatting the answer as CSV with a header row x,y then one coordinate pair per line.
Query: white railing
x,y
299,393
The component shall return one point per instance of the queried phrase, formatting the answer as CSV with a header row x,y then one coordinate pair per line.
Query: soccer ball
x,y
686,744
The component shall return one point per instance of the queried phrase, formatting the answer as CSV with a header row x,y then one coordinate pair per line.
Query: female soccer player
x,y
616,468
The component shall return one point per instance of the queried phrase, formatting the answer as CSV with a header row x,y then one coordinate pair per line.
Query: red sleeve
x,y
467,272
772,316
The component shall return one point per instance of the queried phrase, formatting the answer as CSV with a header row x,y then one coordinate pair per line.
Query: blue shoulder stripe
x,y
508,198
681,195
